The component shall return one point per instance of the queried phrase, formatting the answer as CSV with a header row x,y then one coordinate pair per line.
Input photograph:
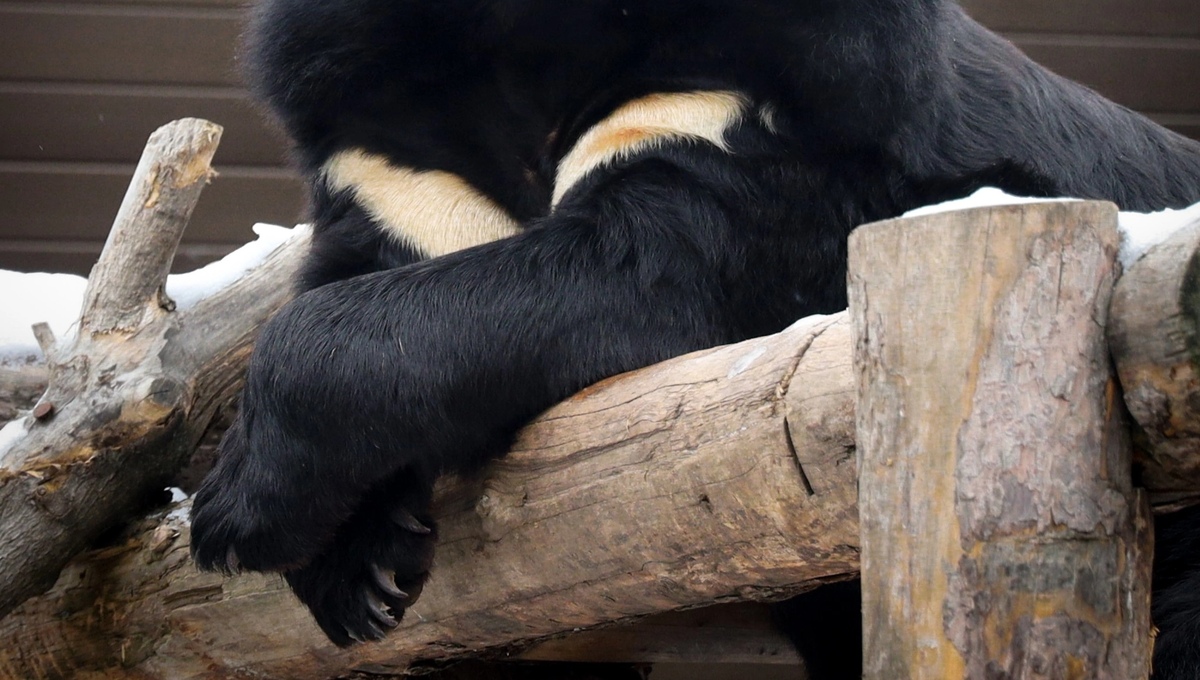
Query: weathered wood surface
x,y
133,602
720,476
21,384
125,288
133,391
1001,533
1154,334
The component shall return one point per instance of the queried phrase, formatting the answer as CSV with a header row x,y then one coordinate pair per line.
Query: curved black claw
x,y
386,582
359,587
406,520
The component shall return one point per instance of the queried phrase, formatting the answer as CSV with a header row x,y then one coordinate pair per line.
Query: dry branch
x,y
1001,533
720,476
125,289
134,390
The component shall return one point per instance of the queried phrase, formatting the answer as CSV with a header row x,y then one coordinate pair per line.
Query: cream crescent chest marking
x,y
645,123
432,211
437,212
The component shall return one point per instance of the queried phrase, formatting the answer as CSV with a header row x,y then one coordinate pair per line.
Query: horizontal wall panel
x,y
1192,131
48,258
79,203
223,4
136,45
1143,78
1186,124
112,125
1125,17
78,257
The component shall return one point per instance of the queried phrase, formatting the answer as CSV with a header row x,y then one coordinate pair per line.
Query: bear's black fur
x,y
390,369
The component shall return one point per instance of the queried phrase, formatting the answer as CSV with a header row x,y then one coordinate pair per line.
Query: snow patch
x,y
1139,231
987,197
190,288
179,514
9,434
26,299
1142,231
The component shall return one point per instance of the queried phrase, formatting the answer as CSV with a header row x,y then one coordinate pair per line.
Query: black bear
x,y
513,199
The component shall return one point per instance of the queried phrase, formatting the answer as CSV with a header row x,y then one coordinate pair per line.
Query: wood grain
x,y
1002,536
1155,338
134,390
715,477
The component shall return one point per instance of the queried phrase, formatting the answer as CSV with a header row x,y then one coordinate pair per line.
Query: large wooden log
x,y
125,602
1001,533
133,391
1154,334
720,476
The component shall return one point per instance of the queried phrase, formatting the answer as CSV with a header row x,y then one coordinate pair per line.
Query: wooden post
x,y
1001,535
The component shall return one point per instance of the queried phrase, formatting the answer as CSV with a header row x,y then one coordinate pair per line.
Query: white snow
x,y
10,433
188,289
986,197
1139,231
26,299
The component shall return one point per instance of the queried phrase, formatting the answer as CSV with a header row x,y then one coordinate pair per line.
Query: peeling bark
x,y
1002,536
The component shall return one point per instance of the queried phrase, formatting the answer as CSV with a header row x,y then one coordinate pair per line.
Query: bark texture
x,y
724,475
1155,339
1001,533
21,384
134,390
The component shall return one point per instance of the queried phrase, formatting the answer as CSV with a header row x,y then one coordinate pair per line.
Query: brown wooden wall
x,y
82,84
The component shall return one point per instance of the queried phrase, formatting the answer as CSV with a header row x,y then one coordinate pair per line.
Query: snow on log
x,y
133,389
1001,533
719,476
46,304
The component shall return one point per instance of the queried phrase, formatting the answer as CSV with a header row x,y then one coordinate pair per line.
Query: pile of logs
x,y
989,457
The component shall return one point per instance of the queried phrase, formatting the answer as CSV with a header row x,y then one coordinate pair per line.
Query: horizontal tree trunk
x,y
1154,335
724,475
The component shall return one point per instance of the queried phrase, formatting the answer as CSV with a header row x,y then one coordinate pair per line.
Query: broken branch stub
x,y
127,282
133,391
